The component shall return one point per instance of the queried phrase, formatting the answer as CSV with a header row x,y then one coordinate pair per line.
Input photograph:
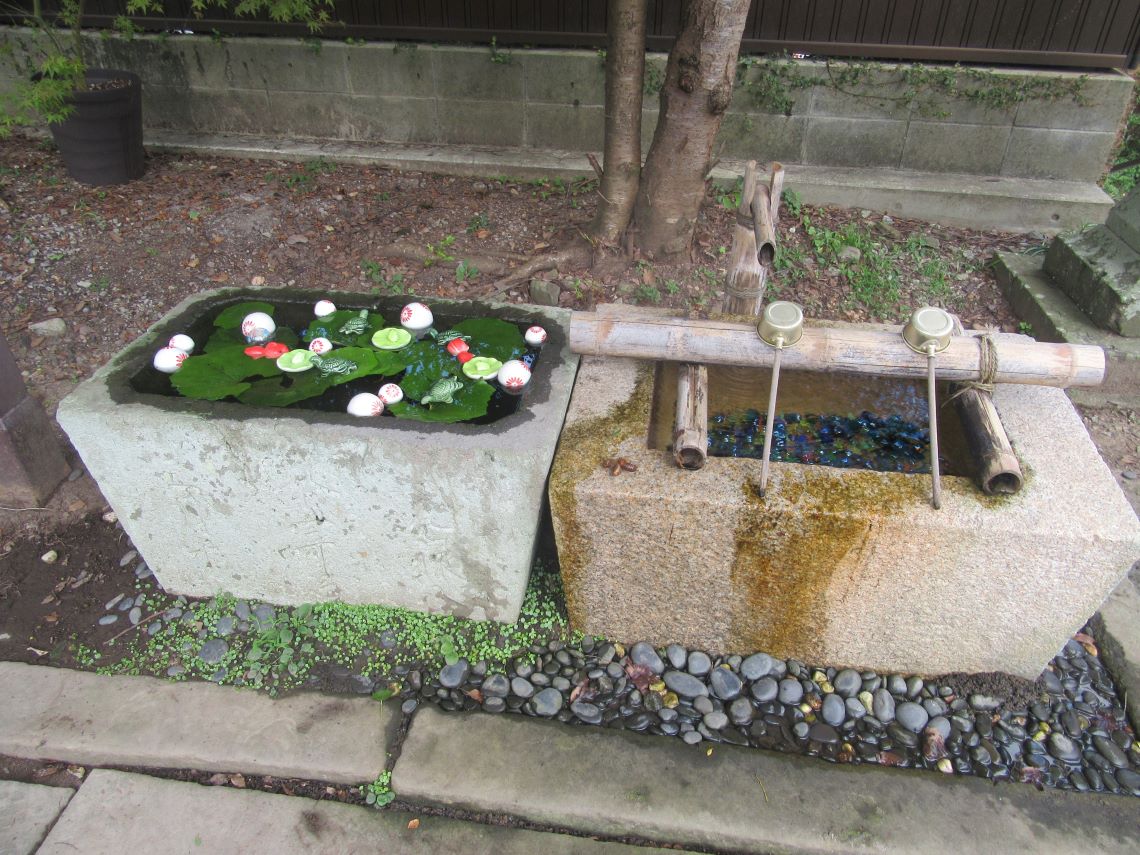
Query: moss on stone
x,y
581,449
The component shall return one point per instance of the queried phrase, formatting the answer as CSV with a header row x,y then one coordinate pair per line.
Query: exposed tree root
x,y
579,253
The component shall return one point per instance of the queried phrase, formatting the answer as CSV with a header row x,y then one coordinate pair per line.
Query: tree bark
x,y
698,86
625,79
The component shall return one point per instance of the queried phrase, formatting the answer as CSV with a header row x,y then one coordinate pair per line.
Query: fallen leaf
x,y
257,280
46,771
37,651
238,780
193,262
51,618
639,675
218,779
76,771
48,600
475,695
583,692
482,233
413,824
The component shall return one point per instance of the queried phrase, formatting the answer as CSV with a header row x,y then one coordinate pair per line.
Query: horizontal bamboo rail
x,y
848,350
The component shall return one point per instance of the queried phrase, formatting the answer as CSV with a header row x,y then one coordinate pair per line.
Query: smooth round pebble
x,y
699,663
547,702
834,711
791,692
756,666
685,685
643,653
452,676
912,716
847,682
765,689
725,684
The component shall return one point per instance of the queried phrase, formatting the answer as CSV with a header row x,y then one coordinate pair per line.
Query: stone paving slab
x,y
117,812
56,714
740,799
27,811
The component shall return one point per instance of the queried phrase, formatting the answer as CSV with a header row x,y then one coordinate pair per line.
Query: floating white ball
x,y
182,342
324,308
320,345
513,376
258,327
535,336
169,359
390,394
365,404
416,318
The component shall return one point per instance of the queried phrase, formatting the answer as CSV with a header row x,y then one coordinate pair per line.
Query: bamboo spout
x,y
851,350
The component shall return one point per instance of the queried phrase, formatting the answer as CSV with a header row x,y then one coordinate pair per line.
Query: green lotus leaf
x,y
235,314
202,377
493,337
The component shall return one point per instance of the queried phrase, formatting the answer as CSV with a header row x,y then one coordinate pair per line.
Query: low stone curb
x,y
56,714
118,812
613,783
27,811
976,201
1117,629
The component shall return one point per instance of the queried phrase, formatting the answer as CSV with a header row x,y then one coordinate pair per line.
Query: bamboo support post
x,y
764,227
776,190
849,350
691,431
997,468
744,282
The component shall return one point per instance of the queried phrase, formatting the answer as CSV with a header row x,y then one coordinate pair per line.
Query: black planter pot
x,y
101,142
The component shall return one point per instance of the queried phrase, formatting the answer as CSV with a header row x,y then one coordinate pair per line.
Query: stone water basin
x,y
838,566
301,505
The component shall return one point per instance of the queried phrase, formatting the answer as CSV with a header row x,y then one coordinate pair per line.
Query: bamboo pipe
x,y
744,282
998,471
850,350
691,432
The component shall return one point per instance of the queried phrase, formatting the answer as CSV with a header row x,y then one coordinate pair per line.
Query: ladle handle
x,y
935,475
771,415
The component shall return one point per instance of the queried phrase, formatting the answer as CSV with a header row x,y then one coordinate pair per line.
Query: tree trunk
x,y
698,88
625,78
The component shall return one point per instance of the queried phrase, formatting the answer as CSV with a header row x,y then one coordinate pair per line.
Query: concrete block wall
x,y
554,99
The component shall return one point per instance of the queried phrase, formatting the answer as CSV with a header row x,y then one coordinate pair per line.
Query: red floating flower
x,y
255,351
275,349
457,346
465,356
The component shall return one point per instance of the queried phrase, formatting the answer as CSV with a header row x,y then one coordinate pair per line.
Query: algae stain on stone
x,y
581,449
790,548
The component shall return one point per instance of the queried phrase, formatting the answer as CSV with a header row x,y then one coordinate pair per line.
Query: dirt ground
x,y
109,262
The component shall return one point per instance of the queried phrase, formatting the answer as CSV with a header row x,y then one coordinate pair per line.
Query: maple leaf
x,y
639,675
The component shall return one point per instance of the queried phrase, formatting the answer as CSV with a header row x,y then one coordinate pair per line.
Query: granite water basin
x,y
303,505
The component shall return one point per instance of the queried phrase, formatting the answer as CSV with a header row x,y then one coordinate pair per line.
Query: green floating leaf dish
x,y
482,368
391,338
295,361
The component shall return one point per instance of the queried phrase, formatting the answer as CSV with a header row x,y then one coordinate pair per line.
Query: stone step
x,y
27,812
116,812
1101,274
1124,220
738,799
77,717
1038,301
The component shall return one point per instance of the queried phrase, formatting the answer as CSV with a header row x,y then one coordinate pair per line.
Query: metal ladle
x,y
928,332
781,326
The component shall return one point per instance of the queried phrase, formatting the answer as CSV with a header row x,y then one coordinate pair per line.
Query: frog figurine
x,y
442,391
328,365
357,325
